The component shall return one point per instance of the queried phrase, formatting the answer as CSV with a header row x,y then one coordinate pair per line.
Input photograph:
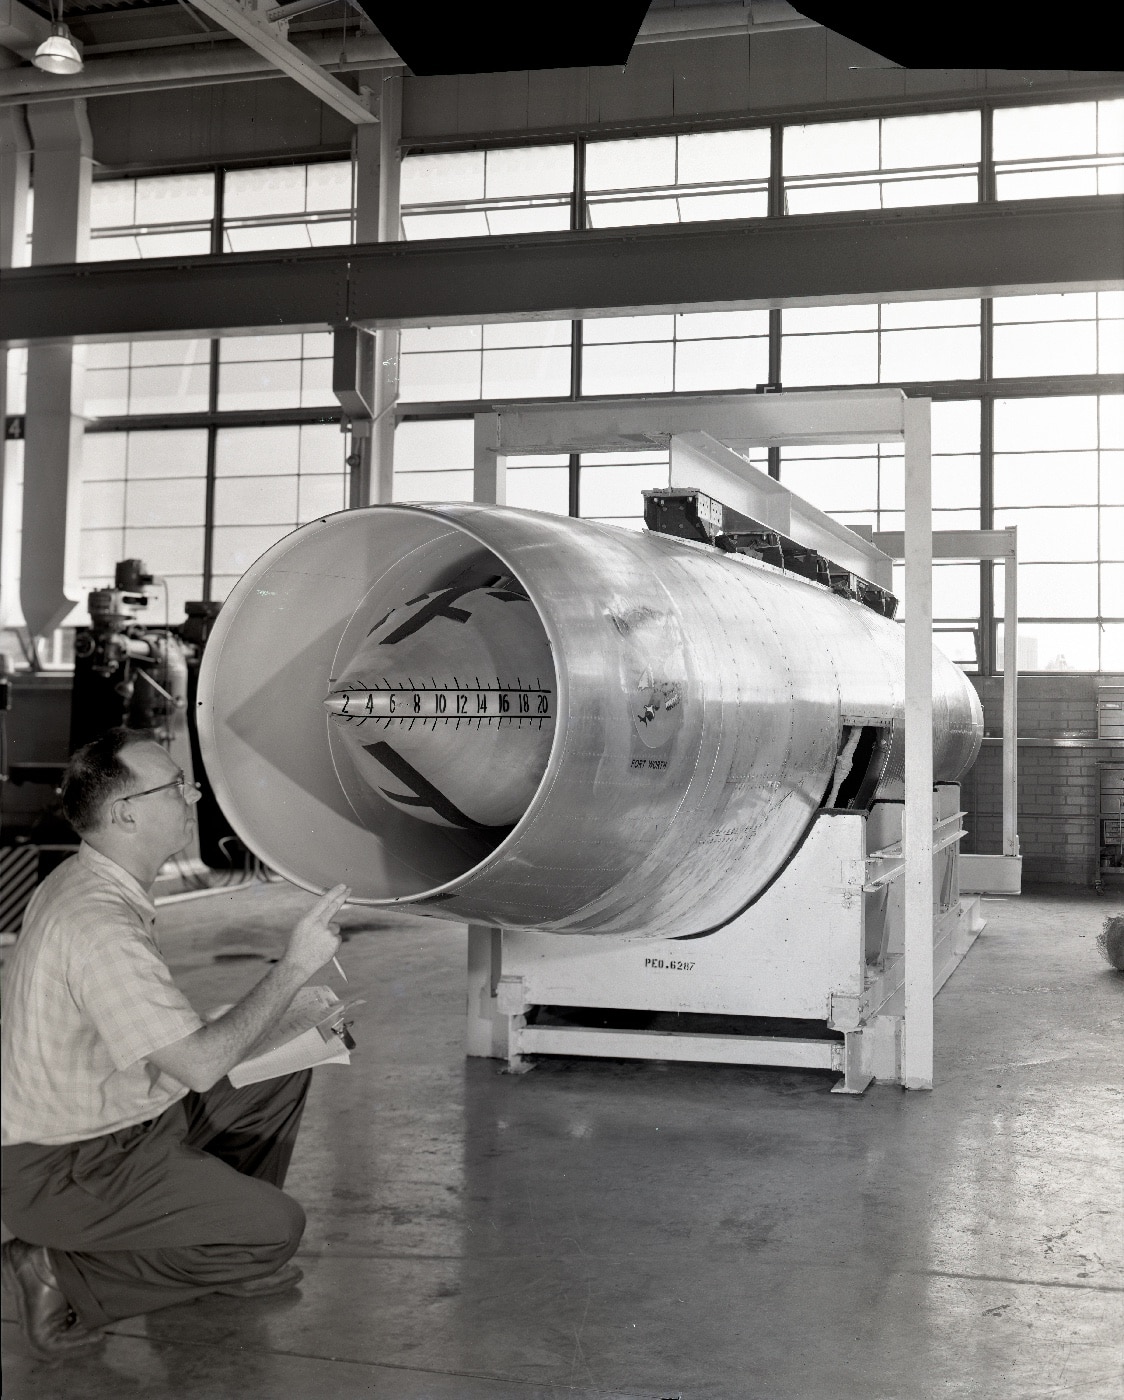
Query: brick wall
x,y
1057,815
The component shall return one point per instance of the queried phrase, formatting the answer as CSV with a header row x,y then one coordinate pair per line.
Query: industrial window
x,y
864,485
678,179
611,484
1059,477
283,206
433,460
269,480
143,496
1076,333
1063,149
529,359
539,483
895,343
681,354
152,217
477,194
131,379
287,206
882,163
275,371
956,606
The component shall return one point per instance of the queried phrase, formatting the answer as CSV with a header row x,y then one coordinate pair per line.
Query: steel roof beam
x,y
801,260
271,42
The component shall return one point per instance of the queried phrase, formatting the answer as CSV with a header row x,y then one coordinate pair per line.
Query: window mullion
x,y
773,454
987,516
776,171
217,221
987,154
775,211
209,499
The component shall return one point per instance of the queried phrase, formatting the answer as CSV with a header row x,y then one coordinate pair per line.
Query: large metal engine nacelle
x,y
529,721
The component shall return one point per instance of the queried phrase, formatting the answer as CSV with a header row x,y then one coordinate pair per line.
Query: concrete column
x,y
63,161
378,220
15,180
63,154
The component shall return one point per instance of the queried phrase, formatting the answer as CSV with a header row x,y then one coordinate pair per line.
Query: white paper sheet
x,y
297,1041
303,1052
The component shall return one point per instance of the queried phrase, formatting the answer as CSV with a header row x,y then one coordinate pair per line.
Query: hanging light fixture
x,y
58,53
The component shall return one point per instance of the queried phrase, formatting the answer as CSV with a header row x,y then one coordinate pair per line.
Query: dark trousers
x,y
166,1210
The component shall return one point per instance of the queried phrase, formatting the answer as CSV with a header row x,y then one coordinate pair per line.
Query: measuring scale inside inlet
x,y
447,706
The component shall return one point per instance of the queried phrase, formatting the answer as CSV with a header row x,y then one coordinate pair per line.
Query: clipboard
x,y
305,1036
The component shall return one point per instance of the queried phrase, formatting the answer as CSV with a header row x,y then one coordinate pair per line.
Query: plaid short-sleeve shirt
x,y
87,998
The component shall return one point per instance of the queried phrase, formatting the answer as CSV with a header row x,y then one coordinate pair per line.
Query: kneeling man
x,y
134,1174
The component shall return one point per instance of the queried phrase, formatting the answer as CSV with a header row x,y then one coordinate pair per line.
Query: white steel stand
x,y
826,943
740,422
1002,873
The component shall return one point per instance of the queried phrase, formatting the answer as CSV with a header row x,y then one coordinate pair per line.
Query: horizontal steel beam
x,y
955,544
742,420
804,260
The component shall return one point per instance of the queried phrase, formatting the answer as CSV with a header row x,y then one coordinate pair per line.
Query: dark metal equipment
x,y
688,514
126,671
133,670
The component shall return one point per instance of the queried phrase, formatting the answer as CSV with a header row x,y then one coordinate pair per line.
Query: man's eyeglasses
x,y
179,781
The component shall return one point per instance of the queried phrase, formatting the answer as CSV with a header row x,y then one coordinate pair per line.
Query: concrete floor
x,y
613,1229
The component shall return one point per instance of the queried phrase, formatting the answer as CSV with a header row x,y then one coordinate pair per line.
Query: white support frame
x,y
781,420
989,874
702,462
917,836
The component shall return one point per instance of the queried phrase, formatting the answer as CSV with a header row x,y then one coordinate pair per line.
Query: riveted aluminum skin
x,y
700,704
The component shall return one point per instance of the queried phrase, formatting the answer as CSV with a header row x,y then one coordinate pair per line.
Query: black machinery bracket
x,y
689,514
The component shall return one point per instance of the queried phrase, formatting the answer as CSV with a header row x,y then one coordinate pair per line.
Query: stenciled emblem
x,y
656,709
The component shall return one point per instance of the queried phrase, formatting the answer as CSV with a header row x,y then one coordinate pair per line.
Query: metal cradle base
x,y
820,952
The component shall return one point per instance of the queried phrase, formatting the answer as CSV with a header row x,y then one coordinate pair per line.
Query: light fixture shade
x,y
58,53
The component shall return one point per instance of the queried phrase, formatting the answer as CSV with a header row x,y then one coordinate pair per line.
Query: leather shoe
x,y
45,1316
280,1281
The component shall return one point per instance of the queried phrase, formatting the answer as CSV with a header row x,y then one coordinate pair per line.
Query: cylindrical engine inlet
x,y
536,722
